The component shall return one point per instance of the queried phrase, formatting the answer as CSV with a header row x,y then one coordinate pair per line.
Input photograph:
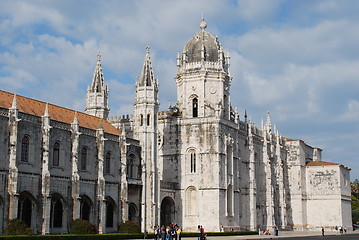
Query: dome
x,y
210,44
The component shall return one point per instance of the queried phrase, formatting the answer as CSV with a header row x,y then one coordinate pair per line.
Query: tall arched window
x,y
148,119
191,201
56,213
195,107
130,164
229,160
193,163
83,158
56,154
229,200
141,120
108,162
85,208
109,212
25,149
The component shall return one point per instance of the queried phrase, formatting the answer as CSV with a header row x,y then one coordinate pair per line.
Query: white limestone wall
x,y
346,196
324,203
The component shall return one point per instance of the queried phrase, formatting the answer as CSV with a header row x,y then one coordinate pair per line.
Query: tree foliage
x,y
355,200
129,227
80,226
17,227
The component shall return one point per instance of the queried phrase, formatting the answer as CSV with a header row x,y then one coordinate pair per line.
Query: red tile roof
x,y
319,163
61,114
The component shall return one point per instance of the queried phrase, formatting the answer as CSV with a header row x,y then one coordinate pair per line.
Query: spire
x,y
98,79
76,120
97,93
14,102
268,123
46,113
147,77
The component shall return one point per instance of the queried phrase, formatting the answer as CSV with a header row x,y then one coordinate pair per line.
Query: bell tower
x,y
97,94
203,79
145,129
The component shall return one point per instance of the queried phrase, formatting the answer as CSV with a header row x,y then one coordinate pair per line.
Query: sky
x,y
297,59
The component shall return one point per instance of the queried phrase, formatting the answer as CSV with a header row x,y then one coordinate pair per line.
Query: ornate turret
x,y
145,130
97,94
203,78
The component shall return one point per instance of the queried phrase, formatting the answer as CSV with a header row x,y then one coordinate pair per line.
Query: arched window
x,y
191,201
56,213
108,162
25,149
229,160
25,210
195,107
229,200
193,162
141,120
109,213
83,158
56,154
148,119
85,208
130,164
132,212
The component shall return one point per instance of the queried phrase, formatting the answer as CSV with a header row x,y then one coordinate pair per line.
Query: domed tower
x,y
203,78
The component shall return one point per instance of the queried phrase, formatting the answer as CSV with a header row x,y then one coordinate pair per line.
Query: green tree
x,y
17,227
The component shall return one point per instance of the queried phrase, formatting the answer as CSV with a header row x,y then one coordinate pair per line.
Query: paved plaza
x,y
293,235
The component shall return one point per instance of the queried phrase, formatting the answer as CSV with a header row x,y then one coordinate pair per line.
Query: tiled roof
x,y
61,114
319,163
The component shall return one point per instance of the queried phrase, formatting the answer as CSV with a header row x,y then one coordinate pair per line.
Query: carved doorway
x,y
167,211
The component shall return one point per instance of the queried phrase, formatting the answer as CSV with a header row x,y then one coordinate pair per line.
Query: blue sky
x,y
297,59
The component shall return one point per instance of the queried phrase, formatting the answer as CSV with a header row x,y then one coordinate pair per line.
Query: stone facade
x,y
197,163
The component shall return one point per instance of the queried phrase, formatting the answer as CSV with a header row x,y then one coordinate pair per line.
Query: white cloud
x,y
297,59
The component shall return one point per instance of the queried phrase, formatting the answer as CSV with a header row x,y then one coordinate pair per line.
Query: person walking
x,y
275,230
199,232
322,231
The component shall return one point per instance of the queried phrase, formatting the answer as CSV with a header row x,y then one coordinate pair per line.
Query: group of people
x,y
171,232
341,229
201,234
276,231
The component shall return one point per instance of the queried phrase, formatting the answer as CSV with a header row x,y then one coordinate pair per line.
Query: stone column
x,y
13,170
268,178
252,182
123,186
280,180
75,178
45,174
101,180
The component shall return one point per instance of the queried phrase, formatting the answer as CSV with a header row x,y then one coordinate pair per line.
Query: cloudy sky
x,y
297,59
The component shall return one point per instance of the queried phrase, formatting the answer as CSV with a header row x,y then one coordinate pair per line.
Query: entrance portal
x,y
167,211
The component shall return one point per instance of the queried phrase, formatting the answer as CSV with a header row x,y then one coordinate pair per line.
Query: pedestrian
x,y
322,231
275,230
163,232
202,232
178,232
157,232
199,232
221,228
345,229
